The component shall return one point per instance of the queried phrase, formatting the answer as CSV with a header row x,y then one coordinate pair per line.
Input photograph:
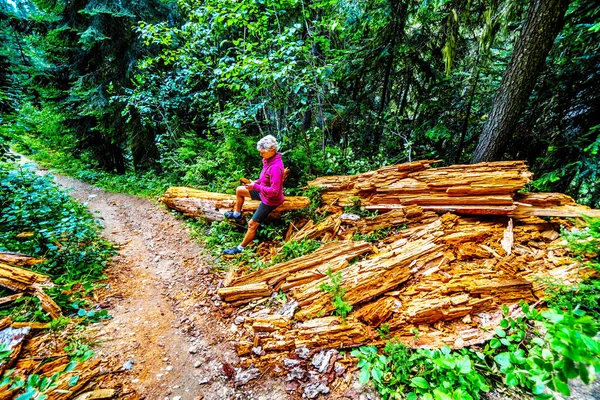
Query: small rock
x,y
289,363
239,320
177,398
339,369
169,368
291,386
128,365
312,390
243,377
296,373
193,349
197,364
258,351
322,359
302,352
288,309
203,381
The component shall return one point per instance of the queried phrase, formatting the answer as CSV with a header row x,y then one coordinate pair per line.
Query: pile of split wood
x,y
31,351
461,244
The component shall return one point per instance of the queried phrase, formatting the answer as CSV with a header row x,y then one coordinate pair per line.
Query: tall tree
x,y
545,19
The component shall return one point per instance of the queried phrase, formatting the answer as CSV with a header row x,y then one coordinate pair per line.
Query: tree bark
x,y
545,19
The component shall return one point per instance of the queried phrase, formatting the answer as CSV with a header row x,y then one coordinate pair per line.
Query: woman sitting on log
x,y
268,188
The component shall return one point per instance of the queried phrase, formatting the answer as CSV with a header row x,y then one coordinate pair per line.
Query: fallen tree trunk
x,y
485,188
212,206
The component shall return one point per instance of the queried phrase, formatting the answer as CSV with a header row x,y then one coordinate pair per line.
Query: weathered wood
x,y
550,205
97,394
8,300
485,188
366,279
330,225
47,303
343,250
242,292
19,259
212,206
19,277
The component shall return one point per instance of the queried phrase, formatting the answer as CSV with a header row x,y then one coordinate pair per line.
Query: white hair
x,y
267,143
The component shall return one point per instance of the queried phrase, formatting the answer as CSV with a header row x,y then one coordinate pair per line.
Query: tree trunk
x,y
545,18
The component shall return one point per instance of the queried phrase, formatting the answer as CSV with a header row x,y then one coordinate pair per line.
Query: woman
x,y
268,188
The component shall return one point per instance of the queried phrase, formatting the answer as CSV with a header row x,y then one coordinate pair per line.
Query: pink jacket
x,y
270,183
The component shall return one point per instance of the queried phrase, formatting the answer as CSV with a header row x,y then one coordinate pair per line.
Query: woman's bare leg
x,y
240,195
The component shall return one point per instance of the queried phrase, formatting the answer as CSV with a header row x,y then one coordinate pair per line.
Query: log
x,y
19,259
485,188
19,279
212,206
243,292
326,333
549,205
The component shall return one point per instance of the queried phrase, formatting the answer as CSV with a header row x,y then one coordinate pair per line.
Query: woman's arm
x,y
276,183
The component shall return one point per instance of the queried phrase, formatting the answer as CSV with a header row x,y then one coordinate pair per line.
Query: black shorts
x,y
263,210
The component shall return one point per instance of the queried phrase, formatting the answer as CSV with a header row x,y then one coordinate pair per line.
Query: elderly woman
x,y
268,188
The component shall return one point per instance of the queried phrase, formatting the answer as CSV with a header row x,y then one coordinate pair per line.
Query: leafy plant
x,y
422,373
374,236
584,241
337,293
546,349
64,232
294,249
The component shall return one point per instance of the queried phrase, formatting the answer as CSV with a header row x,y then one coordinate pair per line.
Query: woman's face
x,y
267,153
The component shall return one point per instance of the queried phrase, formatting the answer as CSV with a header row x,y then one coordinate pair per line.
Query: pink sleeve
x,y
276,183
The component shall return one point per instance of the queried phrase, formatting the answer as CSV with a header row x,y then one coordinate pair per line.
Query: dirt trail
x,y
160,294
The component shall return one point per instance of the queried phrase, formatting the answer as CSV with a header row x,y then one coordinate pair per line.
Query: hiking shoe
x,y
231,215
232,251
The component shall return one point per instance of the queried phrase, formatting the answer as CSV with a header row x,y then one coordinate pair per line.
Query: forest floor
x,y
165,317
167,322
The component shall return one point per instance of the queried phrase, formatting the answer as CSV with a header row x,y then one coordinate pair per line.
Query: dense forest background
x,y
183,89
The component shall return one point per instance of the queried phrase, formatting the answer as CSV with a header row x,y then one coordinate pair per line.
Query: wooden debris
x,y
19,259
97,394
244,292
485,188
19,279
8,300
549,205
329,226
331,253
212,206
441,280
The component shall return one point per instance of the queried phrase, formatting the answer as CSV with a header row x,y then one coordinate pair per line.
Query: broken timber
x,y
212,206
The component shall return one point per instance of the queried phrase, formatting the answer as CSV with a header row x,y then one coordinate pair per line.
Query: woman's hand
x,y
249,186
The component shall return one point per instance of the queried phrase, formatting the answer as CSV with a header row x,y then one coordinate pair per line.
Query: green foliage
x,y
546,350
584,241
374,236
294,249
25,309
422,373
64,232
337,293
